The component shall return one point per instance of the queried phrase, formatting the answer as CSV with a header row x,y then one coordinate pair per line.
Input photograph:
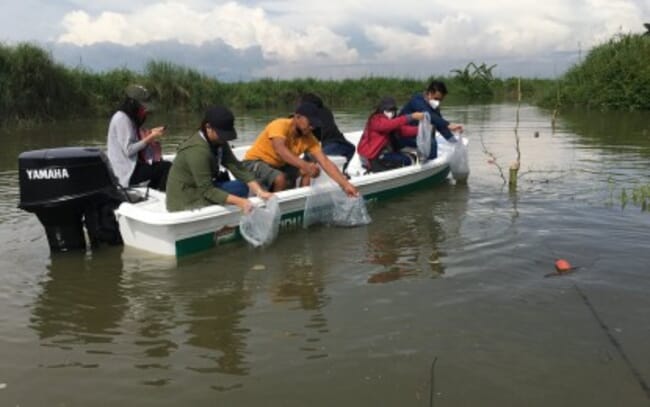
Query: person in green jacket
x,y
191,182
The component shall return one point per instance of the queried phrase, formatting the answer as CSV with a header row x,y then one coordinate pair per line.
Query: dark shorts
x,y
156,173
266,174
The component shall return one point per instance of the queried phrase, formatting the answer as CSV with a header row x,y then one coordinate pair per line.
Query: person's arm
x,y
291,159
199,166
257,189
235,166
244,204
126,136
441,125
241,173
333,171
408,130
383,124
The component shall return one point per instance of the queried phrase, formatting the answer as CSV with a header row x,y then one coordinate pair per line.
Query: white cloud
x,y
523,28
236,25
338,36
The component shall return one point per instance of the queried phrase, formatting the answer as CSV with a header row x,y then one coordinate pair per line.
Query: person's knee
x,y
280,183
305,180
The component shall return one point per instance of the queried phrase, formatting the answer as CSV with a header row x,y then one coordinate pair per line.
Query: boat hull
x,y
149,227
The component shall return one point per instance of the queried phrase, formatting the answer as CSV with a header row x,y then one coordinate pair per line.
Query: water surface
x,y
454,274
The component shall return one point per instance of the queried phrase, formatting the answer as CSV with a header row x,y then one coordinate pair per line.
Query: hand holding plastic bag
x,y
456,153
329,205
260,227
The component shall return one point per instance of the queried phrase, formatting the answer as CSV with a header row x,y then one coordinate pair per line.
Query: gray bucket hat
x,y
140,94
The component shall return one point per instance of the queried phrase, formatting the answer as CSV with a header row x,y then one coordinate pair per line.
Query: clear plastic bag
x,y
456,154
459,163
328,204
423,139
260,227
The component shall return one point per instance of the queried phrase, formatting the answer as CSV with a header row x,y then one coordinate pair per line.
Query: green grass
x,y
613,76
34,88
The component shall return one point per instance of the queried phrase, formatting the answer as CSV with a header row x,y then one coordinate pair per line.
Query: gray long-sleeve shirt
x,y
123,145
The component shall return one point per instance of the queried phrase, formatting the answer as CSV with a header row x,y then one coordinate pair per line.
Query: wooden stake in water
x,y
514,167
512,178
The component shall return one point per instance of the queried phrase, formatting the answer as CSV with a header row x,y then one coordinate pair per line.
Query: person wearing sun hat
x,y
134,151
192,181
275,156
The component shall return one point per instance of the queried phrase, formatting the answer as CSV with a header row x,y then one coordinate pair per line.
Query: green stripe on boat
x,y
293,220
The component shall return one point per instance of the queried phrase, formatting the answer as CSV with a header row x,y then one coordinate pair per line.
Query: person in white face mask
x,y
428,101
375,147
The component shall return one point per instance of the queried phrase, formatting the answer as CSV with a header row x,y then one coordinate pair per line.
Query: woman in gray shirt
x,y
133,151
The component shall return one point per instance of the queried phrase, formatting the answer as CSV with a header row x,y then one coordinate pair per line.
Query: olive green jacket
x,y
189,184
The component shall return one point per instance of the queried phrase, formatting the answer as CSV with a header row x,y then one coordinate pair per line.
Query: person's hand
x,y
311,169
417,116
157,131
265,195
246,206
149,135
350,190
456,127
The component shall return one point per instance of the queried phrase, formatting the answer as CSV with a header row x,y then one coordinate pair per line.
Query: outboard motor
x,y
68,188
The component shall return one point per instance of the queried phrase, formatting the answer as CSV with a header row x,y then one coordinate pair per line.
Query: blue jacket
x,y
419,104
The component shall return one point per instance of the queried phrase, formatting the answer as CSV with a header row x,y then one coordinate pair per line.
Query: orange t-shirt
x,y
262,149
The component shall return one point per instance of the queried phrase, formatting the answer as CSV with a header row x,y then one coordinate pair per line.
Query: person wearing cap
x,y
275,156
191,182
428,101
332,140
375,147
134,151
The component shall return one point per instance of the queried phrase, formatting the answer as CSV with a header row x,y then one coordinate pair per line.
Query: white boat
x,y
147,225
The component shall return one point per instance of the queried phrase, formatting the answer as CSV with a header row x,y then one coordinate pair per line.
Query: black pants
x,y
155,173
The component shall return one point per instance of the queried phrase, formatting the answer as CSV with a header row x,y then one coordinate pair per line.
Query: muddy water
x,y
325,316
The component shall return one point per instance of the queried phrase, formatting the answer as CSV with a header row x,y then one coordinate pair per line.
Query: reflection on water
x,y
81,303
305,321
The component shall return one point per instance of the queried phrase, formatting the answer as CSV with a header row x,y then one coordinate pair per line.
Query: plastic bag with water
x,y
328,204
423,139
260,227
457,156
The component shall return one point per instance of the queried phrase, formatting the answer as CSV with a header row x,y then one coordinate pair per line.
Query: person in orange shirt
x,y
275,156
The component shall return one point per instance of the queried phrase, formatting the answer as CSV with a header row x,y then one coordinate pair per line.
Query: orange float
x,y
562,266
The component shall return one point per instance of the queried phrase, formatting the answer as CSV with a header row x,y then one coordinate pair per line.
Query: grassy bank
x,y
33,88
613,76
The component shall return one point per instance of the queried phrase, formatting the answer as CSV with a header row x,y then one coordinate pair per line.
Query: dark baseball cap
x,y
311,112
222,120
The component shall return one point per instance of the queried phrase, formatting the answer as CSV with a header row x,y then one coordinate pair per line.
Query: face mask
x,y
434,103
389,113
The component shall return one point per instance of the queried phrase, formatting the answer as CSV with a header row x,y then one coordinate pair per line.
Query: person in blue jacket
x,y
428,101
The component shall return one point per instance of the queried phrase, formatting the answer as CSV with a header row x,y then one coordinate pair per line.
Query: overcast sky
x,y
328,39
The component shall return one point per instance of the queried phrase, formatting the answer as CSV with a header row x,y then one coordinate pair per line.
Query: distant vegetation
x,y
33,87
613,76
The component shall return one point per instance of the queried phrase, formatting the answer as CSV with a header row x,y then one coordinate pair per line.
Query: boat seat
x,y
412,153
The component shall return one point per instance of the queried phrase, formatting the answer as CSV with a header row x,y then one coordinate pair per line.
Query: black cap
x,y
387,103
310,111
312,98
222,120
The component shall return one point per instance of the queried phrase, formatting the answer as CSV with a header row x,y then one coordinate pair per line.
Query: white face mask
x,y
434,103
389,113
